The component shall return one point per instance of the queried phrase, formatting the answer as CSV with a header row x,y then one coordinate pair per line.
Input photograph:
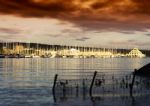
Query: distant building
x,y
136,53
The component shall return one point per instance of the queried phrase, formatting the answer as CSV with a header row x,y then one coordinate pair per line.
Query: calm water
x,y
28,82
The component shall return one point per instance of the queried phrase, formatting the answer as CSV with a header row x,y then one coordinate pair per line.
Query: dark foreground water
x,y
28,82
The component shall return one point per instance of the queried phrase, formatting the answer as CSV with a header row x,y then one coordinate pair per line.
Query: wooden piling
x,y
90,91
54,85
77,90
132,83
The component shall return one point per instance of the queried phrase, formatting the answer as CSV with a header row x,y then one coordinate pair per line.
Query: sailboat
x,y
27,51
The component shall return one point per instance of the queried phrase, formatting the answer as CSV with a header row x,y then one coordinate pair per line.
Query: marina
x,y
32,50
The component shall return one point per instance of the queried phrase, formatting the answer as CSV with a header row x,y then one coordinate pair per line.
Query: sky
x,y
96,23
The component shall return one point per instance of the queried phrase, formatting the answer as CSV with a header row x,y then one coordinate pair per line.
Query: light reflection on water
x,y
28,82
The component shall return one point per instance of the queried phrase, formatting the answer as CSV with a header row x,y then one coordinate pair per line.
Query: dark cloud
x,y
99,4
147,34
128,32
82,39
122,27
53,35
10,30
101,15
142,6
69,31
129,42
31,8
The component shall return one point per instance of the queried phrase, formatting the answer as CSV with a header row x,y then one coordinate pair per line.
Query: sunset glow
x,y
109,23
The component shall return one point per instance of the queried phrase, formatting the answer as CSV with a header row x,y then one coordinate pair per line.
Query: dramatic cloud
x,y
76,22
102,15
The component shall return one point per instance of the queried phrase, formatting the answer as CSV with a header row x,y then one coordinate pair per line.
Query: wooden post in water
x,y
54,84
90,92
132,83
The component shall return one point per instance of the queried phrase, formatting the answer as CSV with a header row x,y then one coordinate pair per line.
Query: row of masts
x,y
43,50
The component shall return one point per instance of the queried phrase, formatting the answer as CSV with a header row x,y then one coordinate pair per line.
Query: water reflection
x,y
113,86
28,82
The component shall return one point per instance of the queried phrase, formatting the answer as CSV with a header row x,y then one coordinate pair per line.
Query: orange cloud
x,y
91,14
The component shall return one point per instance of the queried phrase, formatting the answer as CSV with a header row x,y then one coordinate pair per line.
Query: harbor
x,y
35,50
